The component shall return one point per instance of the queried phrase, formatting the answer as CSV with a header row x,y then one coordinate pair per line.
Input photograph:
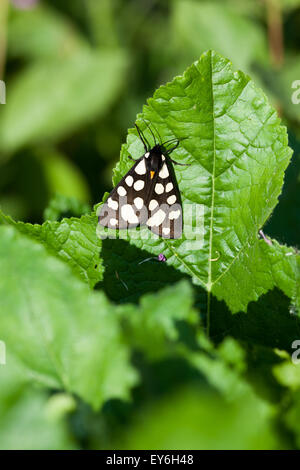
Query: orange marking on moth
x,y
152,173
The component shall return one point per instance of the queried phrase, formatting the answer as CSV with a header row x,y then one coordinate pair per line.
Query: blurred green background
x,y
77,72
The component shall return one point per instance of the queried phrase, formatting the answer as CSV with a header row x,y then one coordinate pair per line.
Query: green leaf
x,y
193,419
288,374
237,151
62,206
52,98
198,26
67,336
41,32
72,240
62,176
258,270
153,327
292,417
25,422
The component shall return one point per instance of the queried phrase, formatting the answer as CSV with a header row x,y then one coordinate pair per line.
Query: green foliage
x,y
105,346
62,206
67,97
50,326
27,422
177,424
73,240
237,151
195,22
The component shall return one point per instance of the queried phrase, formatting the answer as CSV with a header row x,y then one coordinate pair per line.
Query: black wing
x,y
126,206
165,218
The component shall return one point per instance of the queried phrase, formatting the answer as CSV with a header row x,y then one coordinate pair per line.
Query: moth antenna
x,y
149,127
143,138
173,148
174,140
158,134
170,140
180,164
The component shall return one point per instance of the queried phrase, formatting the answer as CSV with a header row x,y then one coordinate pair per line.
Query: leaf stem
x,y
208,315
274,22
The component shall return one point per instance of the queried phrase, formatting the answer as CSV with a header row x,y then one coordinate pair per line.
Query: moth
x,y
148,194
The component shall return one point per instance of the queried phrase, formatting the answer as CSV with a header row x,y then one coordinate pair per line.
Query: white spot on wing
x,y
128,214
164,172
171,199
140,169
138,201
153,204
147,154
113,222
169,187
157,218
159,189
129,180
121,191
112,204
174,214
138,185
166,230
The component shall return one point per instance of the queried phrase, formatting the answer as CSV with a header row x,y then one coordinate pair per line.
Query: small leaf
x,y
153,327
61,206
288,374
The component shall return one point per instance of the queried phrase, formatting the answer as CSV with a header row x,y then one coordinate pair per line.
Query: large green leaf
x,y
51,98
67,336
237,151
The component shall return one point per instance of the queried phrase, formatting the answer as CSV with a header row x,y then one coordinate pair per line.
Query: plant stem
x,y
275,34
208,315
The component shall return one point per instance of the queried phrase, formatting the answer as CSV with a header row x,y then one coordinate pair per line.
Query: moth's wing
x,y
125,206
165,218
